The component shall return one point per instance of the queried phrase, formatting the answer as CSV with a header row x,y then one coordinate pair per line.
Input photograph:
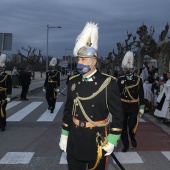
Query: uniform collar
x,y
89,77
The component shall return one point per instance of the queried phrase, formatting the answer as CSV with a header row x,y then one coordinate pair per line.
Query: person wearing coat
x,y
132,97
52,85
5,91
163,107
87,134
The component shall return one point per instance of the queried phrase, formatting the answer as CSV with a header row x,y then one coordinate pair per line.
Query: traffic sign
x,y
6,41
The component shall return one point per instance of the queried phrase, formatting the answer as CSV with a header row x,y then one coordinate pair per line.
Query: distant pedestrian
x,y
52,85
5,91
15,81
25,80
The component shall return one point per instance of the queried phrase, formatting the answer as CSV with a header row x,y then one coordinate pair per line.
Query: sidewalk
x,y
35,84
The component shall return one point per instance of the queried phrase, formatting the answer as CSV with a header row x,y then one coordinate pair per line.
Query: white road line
x,y
17,158
47,116
124,158
128,157
18,116
166,154
12,104
141,120
63,159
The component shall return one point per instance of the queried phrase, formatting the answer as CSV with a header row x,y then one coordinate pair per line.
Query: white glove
x,y
44,90
141,112
8,99
63,142
57,90
109,147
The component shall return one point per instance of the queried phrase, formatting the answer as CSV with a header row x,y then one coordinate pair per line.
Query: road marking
x,y
18,116
141,120
17,158
47,116
63,159
166,154
128,158
124,158
12,104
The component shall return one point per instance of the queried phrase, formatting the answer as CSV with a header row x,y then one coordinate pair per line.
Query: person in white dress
x,y
163,107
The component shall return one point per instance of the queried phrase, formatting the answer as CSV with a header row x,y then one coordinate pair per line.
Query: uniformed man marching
x,y
5,91
132,97
86,135
52,85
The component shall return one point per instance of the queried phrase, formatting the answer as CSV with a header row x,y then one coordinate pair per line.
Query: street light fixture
x,y
48,27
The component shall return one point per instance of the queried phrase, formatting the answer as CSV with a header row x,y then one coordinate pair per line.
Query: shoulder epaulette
x,y
121,76
109,76
74,76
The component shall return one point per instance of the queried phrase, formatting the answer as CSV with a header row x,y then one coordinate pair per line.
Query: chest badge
x,y
122,82
73,87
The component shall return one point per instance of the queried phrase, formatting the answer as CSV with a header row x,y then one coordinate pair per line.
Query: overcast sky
x,y
27,20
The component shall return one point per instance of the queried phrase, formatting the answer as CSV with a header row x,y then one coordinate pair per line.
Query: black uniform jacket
x,y
52,80
135,92
5,85
82,141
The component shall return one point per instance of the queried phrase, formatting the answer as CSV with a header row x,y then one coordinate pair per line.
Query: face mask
x,y
128,73
83,69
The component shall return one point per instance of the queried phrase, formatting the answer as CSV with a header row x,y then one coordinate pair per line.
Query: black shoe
x,y
25,99
52,111
125,149
134,143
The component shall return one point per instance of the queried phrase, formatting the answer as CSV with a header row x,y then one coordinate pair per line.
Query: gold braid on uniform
x,y
4,78
99,152
77,100
2,113
126,89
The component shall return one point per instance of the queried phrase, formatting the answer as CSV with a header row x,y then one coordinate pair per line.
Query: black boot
x,y
134,143
125,149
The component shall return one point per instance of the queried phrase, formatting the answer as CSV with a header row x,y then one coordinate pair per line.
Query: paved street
x,y
31,139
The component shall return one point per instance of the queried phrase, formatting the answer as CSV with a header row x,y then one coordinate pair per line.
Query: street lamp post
x,y
48,27
66,49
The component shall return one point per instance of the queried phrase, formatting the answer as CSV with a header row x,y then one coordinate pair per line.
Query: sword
x,y
117,161
113,156
62,93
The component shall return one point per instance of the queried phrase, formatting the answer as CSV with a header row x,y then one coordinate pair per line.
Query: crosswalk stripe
x,y
12,104
166,154
124,158
24,112
17,158
128,157
47,116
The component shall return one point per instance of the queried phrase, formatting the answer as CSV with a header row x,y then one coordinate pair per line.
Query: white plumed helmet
x,y
128,60
2,60
53,62
87,41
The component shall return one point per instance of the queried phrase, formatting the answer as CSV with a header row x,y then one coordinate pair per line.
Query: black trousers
x,y
24,91
3,119
81,165
130,120
51,98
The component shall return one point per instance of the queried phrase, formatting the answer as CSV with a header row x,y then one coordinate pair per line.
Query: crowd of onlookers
x,y
156,92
